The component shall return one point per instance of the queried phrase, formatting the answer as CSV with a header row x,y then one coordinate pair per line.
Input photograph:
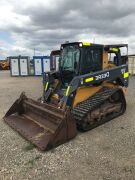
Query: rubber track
x,y
83,108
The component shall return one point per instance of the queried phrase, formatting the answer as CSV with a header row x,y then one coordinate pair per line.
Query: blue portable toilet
x,y
46,64
37,62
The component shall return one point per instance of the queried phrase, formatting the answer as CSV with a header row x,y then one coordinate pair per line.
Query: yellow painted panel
x,y
85,43
115,49
67,91
105,60
46,86
84,93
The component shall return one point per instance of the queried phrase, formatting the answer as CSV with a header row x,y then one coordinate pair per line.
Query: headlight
x,y
80,45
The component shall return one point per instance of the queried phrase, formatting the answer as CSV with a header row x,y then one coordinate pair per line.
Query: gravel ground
x,y
104,153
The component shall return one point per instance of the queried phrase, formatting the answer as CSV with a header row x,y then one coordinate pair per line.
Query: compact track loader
x,y
87,91
4,65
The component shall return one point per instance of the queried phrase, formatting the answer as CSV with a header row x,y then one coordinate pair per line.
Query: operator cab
x,y
78,59
83,58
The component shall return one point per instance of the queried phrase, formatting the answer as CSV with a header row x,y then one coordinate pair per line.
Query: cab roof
x,y
116,45
93,44
83,43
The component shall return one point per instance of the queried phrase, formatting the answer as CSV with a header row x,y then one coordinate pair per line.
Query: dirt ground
x,y
104,153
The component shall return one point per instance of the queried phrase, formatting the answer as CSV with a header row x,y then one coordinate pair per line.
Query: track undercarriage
x,y
105,105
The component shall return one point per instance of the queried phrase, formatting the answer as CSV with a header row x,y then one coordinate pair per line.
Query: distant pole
x,y
34,51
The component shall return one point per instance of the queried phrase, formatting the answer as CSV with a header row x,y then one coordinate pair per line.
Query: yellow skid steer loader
x,y
87,91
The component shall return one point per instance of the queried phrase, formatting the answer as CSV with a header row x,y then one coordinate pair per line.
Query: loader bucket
x,y
42,124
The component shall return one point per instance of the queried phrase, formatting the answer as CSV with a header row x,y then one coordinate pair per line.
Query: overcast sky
x,y
45,24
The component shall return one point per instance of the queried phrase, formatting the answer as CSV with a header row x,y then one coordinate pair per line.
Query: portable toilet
x,y
14,65
37,61
46,64
24,65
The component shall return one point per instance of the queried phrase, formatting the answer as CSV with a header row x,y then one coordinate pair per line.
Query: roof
x,y
77,43
93,44
116,45
55,52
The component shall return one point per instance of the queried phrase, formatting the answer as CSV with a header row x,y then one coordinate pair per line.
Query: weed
x,y
29,147
32,161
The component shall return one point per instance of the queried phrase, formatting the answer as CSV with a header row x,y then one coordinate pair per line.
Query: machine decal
x,y
102,76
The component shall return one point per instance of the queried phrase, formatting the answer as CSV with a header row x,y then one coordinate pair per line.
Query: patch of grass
x,y
29,147
128,169
32,161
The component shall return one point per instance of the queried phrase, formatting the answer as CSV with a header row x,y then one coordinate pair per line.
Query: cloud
x,y
45,24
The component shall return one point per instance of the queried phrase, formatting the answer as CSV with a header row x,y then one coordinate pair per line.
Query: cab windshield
x,y
70,58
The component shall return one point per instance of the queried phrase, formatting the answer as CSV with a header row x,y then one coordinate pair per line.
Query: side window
x,y
68,63
93,60
76,61
77,55
111,57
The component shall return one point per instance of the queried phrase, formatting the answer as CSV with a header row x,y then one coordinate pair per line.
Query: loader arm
x,y
117,74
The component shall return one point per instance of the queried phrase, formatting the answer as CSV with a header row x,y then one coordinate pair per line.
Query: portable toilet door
x,y
24,66
46,64
14,64
37,66
57,62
